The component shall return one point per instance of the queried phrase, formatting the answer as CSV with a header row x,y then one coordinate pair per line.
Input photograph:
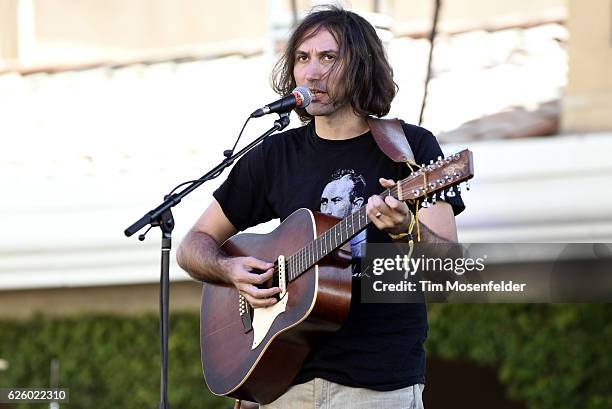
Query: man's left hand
x,y
388,213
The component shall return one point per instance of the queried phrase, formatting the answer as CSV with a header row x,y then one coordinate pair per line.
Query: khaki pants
x,y
321,394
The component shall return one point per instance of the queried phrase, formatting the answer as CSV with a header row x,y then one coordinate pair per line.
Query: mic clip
x,y
283,120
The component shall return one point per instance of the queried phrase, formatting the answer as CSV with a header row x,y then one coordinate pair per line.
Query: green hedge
x,y
550,356
107,361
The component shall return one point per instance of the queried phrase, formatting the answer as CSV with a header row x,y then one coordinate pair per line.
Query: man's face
x,y
314,68
335,199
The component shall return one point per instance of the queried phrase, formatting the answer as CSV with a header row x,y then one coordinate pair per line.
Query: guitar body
x,y
258,364
316,304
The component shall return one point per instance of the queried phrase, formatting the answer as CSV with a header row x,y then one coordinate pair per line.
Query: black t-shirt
x,y
380,346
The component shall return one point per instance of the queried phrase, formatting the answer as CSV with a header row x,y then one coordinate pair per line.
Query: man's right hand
x,y
199,254
240,271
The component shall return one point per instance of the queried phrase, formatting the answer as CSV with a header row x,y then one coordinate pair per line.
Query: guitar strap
x,y
391,140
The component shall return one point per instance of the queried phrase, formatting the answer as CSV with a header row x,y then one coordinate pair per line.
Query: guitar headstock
x,y
440,178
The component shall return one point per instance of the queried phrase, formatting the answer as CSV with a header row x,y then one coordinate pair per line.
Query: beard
x,y
325,108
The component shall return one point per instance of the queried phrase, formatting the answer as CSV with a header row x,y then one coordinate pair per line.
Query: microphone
x,y
299,98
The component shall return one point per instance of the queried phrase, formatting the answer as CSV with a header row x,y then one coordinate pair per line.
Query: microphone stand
x,y
162,217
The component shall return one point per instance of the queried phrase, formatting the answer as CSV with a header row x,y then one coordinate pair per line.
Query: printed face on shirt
x,y
316,67
338,198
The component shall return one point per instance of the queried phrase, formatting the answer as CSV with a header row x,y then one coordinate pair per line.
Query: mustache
x,y
316,90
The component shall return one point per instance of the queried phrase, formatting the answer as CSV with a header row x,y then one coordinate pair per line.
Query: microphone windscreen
x,y
305,96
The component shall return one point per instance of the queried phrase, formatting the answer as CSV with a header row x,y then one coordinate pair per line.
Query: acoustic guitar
x,y
254,354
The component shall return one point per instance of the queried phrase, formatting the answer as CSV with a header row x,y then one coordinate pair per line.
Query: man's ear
x,y
358,202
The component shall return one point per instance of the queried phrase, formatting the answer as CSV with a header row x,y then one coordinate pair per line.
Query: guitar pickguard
x,y
264,317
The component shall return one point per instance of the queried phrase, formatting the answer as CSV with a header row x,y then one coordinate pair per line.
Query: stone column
x,y
9,47
587,104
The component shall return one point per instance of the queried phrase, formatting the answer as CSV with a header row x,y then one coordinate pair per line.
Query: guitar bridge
x,y
245,314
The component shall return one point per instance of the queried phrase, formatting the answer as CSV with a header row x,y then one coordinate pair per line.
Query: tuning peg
x,y
450,193
433,199
467,185
442,197
425,203
459,189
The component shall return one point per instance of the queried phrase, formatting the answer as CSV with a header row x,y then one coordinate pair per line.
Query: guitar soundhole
x,y
273,282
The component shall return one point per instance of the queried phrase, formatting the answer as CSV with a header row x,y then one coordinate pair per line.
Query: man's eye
x,y
301,58
329,57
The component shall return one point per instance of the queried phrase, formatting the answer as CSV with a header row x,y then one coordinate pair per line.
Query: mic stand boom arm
x,y
162,216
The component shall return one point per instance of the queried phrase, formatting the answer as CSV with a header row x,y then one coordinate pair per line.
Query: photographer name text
x,y
428,286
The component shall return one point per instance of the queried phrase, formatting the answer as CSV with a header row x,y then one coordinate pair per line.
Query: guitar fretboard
x,y
424,182
329,241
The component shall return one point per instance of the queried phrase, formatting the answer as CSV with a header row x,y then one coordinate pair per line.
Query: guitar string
x,y
307,256
300,260
304,258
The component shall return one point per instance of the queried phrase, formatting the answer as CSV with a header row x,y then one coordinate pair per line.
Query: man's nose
x,y
313,70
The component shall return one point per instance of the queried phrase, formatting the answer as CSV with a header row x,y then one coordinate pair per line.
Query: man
x,y
342,196
377,356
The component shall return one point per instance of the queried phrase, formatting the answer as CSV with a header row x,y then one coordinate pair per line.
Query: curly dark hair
x,y
366,80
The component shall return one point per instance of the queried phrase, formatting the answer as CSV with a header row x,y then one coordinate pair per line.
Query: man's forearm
x,y
423,234
429,236
199,254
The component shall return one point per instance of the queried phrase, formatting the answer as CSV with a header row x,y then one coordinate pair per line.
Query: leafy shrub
x,y
549,356
107,361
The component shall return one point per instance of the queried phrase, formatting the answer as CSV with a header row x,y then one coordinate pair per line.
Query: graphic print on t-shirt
x,y
344,194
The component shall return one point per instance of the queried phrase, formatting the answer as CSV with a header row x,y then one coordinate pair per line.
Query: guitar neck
x,y
332,239
326,243
428,180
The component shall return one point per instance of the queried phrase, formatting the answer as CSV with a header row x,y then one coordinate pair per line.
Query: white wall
x,y
553,189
